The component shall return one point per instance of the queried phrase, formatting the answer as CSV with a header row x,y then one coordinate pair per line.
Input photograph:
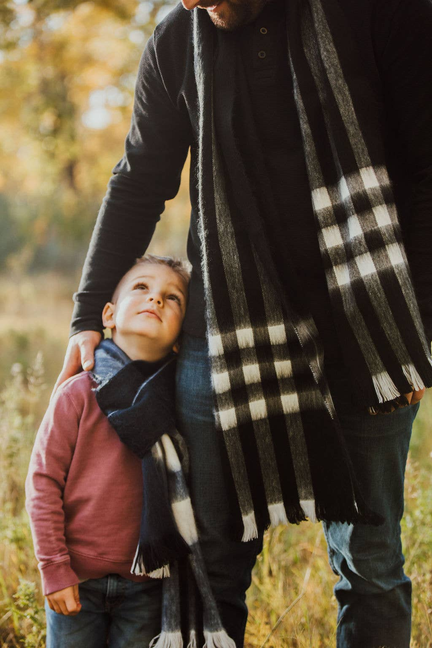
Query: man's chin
x,y
229,17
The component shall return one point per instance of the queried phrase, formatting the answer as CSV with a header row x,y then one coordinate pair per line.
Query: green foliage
x,y
27,607
21,614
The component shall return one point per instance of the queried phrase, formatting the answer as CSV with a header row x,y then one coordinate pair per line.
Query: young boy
x,y
85,487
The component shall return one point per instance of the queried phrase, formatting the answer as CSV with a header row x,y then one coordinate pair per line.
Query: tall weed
x,y
21,618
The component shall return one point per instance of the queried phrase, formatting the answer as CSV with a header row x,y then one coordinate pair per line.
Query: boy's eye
x,y
175,298
140,285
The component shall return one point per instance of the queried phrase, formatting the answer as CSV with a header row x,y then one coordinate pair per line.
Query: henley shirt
x,y
395,45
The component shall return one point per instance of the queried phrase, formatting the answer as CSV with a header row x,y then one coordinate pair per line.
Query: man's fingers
x,y
87,355
80,353
71,365
417,396
409,397
63,376
398,403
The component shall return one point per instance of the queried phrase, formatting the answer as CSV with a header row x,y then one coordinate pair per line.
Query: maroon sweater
x,y
84,492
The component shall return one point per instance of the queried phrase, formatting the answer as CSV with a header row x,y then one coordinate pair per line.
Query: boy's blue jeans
x,y
116,612
373,593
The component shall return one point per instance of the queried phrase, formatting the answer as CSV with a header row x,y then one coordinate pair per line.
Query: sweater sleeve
x,y
404,44
49,465
147,175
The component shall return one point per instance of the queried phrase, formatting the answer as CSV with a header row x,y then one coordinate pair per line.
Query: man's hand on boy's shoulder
x,y
65,601
79,355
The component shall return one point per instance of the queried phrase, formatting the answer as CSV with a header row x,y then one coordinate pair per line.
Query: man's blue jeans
x,y
373,593
229,564
116,612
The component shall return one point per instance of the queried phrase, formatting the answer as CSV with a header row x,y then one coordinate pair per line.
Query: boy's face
x,y
147,311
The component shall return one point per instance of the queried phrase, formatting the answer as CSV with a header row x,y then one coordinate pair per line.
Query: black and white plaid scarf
x,y
138,399
273,406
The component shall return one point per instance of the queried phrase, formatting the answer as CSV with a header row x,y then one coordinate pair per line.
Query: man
x,y
308,122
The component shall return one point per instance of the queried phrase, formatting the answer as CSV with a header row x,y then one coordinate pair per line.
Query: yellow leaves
x,y
66,90
66,51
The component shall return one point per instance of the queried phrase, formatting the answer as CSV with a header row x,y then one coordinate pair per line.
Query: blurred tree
x,y
67,75
11,237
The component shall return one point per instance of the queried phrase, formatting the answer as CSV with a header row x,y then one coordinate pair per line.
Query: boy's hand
x,y
65,601
79,354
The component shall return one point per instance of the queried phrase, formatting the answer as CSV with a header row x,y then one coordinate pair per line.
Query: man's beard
x,y
232,15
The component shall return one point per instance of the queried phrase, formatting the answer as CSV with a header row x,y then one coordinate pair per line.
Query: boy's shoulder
x,y
78,389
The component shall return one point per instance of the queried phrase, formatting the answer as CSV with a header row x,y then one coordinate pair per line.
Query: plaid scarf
x,y
273,407
138,399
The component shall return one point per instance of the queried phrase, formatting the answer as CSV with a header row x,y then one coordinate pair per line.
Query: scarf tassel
x,y
277,514
167,640
152,560
218,639
308,507
250,528
385,388
192,640
413,377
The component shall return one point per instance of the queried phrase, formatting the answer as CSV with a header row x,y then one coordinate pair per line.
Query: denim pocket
x,y
365,424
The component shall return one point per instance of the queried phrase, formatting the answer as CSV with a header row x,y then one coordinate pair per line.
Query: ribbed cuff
x,y
57,576
90,327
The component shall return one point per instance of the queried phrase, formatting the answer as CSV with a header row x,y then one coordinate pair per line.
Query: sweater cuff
x,y
57,576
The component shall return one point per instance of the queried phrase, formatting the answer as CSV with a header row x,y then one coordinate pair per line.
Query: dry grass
x,y
291,602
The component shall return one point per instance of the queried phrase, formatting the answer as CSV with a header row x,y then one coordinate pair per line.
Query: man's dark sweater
x,y
394,39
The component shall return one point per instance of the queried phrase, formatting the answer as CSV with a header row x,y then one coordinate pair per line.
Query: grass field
x,y
290,600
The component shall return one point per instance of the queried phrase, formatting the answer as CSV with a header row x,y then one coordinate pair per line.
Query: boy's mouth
x,y
150,312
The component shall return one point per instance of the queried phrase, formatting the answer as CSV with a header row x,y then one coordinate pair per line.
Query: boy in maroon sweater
x,y
84,487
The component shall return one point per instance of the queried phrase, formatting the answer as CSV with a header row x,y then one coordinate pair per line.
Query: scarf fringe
x,y
277,514
218,639
413,377
250,527
314,511
385,388
192,640
163,572
167,640
150,558
359,515
308,506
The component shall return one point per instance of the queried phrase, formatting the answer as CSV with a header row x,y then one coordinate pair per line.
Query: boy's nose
x,y
155,298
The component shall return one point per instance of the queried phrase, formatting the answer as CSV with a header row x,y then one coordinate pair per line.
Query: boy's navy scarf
x,y
273,406
139,400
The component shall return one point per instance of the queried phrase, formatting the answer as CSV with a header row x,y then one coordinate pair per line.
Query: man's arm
x,y
404,53
148,174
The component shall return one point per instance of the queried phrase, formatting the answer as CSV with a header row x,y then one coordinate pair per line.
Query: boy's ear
x,y
177,343
108,315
